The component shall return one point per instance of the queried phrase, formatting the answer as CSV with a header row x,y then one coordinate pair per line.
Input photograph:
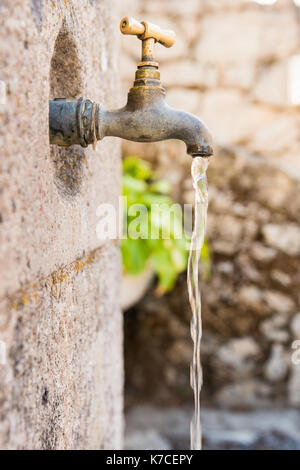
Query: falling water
x,y
199,167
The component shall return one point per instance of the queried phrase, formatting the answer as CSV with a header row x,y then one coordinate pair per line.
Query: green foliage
x,y
167,257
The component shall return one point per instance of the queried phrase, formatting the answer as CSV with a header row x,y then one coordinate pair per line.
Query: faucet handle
x,y
145,30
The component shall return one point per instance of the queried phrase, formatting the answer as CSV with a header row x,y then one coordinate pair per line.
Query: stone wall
x,y
234,66
60,321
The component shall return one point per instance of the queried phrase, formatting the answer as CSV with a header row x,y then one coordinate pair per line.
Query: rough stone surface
x,y
190,74
237,352
284,237
295,326
257,32
274,329
277,365
61,385
294,386
150,439
285,128
232,117
277,76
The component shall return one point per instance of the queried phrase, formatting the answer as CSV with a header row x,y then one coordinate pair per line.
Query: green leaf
x,y
205,261
137,168
134,254
179,260
152,198
131,184
168,257
161,186
163,267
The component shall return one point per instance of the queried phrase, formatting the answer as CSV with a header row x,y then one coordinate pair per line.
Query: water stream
x,y
199,167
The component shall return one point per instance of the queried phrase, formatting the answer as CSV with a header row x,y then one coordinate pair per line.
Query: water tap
x,y
145,118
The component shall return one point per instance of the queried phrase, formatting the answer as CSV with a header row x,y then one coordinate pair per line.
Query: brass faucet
x,y
146,116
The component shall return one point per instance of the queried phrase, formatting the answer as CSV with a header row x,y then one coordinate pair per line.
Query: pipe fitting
x,y
73,122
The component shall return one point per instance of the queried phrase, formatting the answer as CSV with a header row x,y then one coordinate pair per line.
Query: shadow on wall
x,y
37,11
66,81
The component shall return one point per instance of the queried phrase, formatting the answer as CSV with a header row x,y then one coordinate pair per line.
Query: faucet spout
x,y
148,118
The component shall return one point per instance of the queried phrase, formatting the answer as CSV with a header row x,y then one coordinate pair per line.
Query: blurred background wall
x,y
236,65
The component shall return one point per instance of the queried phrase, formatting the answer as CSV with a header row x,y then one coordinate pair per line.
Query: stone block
x,y
274,328
245,36
187,73
295,326
279,302
172,8
272,84
277,137
247,393
277,366
237,352
283,237
187,100
58,293
294,386
231,117
239,75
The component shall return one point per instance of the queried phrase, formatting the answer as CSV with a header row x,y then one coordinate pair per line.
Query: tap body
x,y
148,118
145,118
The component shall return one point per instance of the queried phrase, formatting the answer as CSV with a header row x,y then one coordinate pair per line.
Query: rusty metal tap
x,y
146,116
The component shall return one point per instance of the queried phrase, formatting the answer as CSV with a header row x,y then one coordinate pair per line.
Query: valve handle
x,y
145,30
